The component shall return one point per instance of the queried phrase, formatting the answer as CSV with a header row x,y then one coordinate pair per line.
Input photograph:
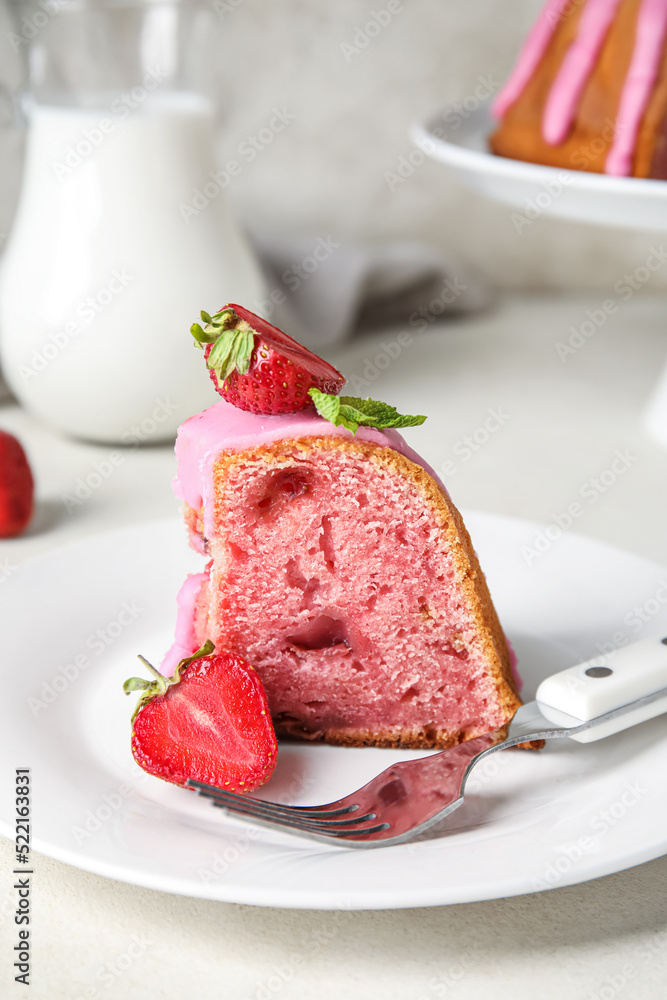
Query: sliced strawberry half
x,y
210,722
257,367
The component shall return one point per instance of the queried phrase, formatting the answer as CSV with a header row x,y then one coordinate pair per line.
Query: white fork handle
x,y
605,683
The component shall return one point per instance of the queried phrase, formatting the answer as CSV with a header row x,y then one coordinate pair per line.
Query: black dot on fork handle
x,y
598,672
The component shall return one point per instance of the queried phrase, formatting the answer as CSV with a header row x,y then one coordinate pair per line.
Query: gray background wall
x,y
352,110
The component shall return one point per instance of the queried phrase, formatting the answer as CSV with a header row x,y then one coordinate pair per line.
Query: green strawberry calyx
x,y
352,412
160,684
232,340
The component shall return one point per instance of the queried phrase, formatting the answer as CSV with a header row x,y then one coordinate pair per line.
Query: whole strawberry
x,y
17,487
210,722
257,367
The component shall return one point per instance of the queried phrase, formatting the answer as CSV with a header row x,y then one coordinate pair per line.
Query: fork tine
x,y
288,817
259,807
312,824
407,797
327,829
305,812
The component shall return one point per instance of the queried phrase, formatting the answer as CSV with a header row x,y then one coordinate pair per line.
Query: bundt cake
x,y
589,90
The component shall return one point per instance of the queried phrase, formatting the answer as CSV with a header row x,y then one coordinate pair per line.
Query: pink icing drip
x,y
184,639
530,55
649,43
224,427
575,70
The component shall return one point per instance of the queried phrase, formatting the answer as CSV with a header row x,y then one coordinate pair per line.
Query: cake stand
x,y
461,143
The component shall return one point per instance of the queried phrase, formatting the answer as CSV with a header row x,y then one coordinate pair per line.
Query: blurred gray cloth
x,y
322,290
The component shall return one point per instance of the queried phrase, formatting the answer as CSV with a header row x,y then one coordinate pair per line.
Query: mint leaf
x,y
327,406
352,412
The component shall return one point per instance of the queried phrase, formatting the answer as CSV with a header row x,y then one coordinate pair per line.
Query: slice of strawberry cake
x,y
338,566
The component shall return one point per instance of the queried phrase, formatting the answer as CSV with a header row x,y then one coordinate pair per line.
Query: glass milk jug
x,y
114,250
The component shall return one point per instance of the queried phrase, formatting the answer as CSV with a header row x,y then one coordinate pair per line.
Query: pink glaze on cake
x,y
649,45
224,427
533,49
576,68
185,642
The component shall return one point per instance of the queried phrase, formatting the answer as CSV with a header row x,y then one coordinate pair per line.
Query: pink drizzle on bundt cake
x,y
589,89
341,570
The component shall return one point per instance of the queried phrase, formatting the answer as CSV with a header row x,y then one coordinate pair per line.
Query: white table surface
x,y
561,423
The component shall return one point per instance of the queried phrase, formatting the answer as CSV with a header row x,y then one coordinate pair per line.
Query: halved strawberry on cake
x,y
338,565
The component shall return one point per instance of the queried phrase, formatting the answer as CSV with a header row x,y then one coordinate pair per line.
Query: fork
x,y
586,702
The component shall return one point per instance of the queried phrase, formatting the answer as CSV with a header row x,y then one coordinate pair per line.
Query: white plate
x,y
534,189
532,820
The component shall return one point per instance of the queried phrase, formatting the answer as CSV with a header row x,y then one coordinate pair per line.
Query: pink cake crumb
x,y
329,574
